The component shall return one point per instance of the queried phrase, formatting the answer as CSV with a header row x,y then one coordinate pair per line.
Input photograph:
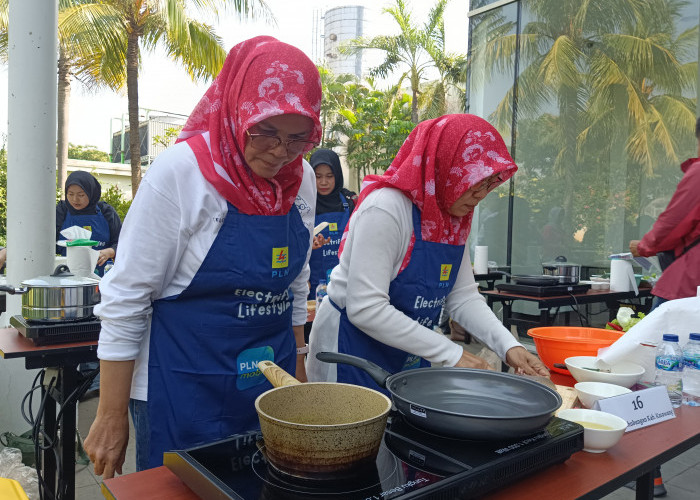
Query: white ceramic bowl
x,y
590,392
601,439
624,373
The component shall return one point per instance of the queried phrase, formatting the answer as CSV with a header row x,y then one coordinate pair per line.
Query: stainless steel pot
x,y
567,272
58,297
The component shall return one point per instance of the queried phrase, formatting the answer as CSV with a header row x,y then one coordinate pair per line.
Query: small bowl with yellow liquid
x,y
601,430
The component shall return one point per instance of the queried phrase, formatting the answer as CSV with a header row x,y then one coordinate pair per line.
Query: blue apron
x,y
95,223
206,342
419,291
324,259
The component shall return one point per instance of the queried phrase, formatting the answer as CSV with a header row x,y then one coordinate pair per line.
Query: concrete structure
x,y
31,173
107,173
156,124
342,24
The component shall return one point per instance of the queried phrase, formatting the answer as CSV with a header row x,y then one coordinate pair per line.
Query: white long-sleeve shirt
x,y
378,238
169,229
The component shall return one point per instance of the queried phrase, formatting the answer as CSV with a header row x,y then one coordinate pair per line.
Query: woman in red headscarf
x,y
213,263
403,258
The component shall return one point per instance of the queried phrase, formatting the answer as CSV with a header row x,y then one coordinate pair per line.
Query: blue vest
x,y
324,259
419,291
95,223
206,342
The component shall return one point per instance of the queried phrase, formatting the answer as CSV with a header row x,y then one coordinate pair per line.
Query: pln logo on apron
x,y
248,373
280,262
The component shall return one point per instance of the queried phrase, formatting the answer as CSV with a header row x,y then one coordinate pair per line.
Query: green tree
x,y
451,67
115,197
407,51
373,126
86,153
130,26
82,57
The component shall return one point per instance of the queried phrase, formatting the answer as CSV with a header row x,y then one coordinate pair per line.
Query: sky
x,y
165,86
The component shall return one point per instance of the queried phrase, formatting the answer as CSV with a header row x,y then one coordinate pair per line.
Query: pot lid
x,y
60,277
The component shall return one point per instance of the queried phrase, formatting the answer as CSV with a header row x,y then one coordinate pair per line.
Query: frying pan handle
x,y
276,375
378,374
12,290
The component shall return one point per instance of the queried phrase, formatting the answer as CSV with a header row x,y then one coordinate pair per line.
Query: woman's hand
x,y
105,255
106,443
525,362
469,360
319,241
633,248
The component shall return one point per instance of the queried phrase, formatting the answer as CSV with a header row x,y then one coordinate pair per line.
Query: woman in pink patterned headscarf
x,y
212,269
404,258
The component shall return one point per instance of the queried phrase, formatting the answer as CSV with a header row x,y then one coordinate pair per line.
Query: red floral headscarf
x,y
261,77
439,161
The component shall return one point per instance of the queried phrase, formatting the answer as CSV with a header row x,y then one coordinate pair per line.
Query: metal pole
x,y
31,171
31,142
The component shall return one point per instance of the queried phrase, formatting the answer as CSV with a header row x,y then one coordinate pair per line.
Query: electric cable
x,y
581,317
43,442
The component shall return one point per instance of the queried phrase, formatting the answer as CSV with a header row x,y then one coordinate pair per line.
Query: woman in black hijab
x,y
334,204
82,207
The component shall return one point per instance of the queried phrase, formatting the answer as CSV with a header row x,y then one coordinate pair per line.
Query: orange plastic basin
x,y
556,343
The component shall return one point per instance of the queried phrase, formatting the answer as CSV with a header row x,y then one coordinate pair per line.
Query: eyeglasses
x,y
486,184
293,146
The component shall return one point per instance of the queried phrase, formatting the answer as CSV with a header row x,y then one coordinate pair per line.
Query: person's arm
x,y
108,437
468,308
673,223
3,258
380,236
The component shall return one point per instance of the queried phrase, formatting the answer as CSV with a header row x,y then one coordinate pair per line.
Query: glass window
x,y
606,107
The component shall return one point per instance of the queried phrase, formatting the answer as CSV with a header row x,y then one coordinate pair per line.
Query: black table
x,y
64,359
546,304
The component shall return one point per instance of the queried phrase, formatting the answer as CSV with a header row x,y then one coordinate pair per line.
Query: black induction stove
x,y
543,290
57,332
411,464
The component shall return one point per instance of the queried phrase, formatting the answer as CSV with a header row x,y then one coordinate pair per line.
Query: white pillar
x,y
31,171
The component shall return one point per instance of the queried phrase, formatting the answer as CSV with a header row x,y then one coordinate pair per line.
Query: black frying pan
x,y
463,402
533,279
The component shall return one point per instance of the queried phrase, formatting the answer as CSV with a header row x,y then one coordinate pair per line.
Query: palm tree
x,y
407,50
81,56
451,68
582,58
127,26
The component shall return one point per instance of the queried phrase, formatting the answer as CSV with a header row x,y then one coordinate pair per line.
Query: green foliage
x,y
168,138
115,197
371,123
86,153
604,114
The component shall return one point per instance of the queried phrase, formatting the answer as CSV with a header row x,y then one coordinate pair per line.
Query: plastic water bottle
x,y
108,265
691,371
321,292
669,368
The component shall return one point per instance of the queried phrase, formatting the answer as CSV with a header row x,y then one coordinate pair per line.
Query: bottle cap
x,y
695,336
670,337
